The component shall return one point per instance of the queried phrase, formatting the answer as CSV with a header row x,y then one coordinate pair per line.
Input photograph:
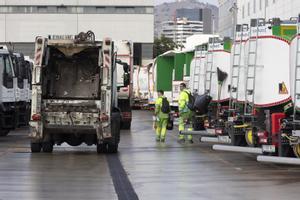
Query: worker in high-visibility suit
x,y
161,118
185,114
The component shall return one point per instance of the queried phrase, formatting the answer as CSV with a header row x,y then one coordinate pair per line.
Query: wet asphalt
x,y
143,169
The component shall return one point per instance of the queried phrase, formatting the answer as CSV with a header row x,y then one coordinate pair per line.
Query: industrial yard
x,y
146,169
152,99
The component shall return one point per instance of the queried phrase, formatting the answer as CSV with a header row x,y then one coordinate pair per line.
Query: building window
x,y
77,9
260,4
42,9
243,12
62,9
248,9
254,6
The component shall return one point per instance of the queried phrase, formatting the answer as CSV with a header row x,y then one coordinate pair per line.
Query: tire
x,y
112,148
35,147
126,125
287,151
4,133
47,147
102,148
124,106
238,140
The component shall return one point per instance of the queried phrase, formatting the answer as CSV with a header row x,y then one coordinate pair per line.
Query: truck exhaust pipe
x,y
237,149
278,160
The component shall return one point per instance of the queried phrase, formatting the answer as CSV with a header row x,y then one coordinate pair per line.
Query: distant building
x,y
188,22
181,28
227,17
204,15
178,9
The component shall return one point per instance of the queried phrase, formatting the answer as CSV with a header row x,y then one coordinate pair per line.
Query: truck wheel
x,y
47,147
112,148
35,147
4,133
101,148
238,140
126,125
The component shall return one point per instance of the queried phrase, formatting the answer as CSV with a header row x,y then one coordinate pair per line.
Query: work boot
x,y
157,139
162,140
191,141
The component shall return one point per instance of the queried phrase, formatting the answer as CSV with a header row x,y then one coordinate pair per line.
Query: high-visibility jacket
x,y
183,101
158,105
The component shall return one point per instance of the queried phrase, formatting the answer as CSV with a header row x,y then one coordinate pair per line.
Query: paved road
x,y
143,169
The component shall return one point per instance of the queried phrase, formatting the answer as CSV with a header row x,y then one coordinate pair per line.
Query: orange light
x,y
104,117
36,117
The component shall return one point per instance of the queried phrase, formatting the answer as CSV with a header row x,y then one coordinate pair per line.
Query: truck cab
x,y
7,93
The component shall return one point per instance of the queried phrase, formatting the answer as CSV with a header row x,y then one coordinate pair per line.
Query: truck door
x,y
7,78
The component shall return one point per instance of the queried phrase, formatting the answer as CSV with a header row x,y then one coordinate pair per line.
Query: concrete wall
x,y
22,27
79,2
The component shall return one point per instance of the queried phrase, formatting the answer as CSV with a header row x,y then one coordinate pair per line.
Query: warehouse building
x,y
227,17
267,9
242,11
23,20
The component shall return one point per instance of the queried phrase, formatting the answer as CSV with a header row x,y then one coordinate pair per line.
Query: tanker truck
x,y
74,93
267,89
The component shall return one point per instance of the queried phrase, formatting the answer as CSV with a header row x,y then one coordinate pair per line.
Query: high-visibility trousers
x,y
185,120
161,128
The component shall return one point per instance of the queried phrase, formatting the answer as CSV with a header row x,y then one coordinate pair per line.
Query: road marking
x,y
122,184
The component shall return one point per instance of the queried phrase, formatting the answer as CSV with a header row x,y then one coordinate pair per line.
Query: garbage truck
x,y
124,49
74,93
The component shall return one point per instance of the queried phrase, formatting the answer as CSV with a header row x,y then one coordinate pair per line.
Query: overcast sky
x,y
215,2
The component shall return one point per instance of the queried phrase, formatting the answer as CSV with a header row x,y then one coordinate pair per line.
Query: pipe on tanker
x,y
212,140
209,139
278,160
237,149
200,133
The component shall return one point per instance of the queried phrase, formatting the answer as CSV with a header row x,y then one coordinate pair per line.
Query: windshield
x,y
6,65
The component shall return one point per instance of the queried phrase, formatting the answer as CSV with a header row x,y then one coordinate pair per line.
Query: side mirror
x,y
126,79
126,68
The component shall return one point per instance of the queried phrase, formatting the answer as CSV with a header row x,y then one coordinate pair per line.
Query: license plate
x,y
224,139
268,148
211,131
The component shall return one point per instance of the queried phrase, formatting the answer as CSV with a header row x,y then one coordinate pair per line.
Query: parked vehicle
x,y
74,93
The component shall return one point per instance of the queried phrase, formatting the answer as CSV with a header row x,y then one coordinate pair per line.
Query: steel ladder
x,y
296,117
252,65
236,64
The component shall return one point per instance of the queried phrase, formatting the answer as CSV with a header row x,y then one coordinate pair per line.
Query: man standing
x,y
185,114
162,109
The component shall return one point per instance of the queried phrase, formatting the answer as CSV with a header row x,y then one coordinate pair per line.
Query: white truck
x,y
124,49
15,108
74,93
